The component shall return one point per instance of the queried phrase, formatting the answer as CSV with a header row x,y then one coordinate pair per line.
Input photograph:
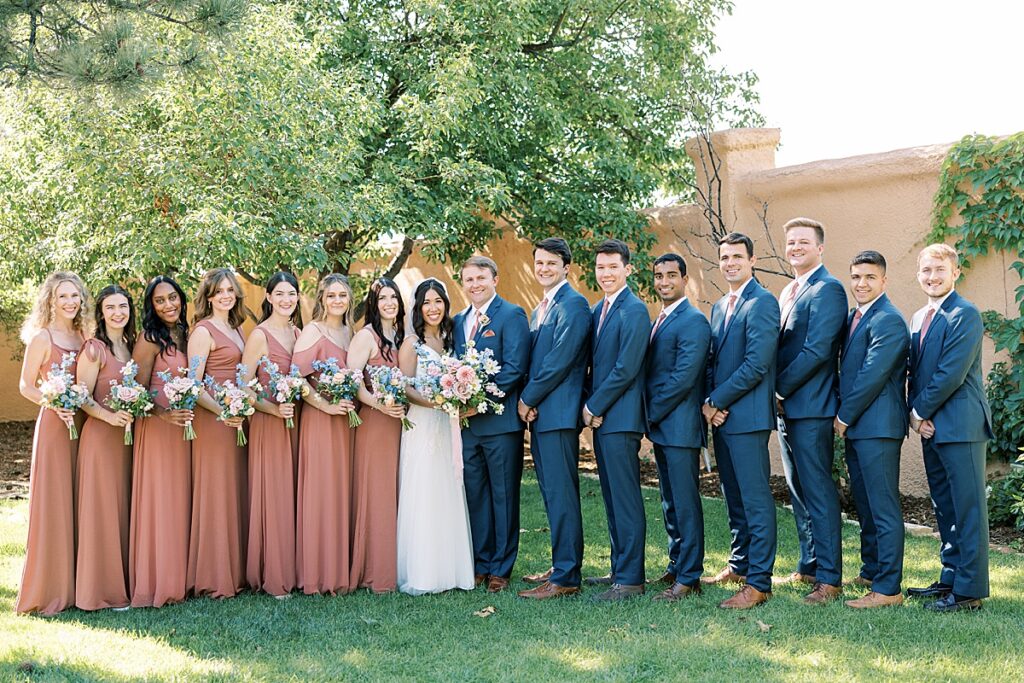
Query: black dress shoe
x,y
954,603
936,590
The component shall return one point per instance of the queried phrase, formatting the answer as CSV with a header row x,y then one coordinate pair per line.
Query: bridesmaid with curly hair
x,y
58,324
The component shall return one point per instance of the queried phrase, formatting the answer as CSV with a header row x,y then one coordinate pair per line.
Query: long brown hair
x,y
130,331
43,312
208,287
320,311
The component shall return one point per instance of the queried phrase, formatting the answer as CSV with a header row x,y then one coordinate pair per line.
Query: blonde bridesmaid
x,y
216,551
377,441
104,461
324,525
162,467
273,448
58,324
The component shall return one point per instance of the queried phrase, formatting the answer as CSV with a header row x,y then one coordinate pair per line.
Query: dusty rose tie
x,y
924,327
476,321
657,324
604,314
856,321
542,311
730,308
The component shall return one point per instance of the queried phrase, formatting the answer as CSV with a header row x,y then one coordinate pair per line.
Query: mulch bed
x,y
15,458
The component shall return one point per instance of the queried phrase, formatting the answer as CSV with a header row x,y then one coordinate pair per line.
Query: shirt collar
x,y
610,298
550,296
743,287
483,309
807,276
938,304
863,308
668,311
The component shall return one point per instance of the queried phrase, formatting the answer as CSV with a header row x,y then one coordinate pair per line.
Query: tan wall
x,y
877,201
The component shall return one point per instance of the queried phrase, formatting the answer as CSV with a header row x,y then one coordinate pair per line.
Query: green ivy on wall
x,y
982,182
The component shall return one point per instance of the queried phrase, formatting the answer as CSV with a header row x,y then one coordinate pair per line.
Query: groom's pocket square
x,y
488,333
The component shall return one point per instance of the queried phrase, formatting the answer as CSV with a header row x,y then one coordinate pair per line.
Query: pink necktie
x,y
792,292
604,314
657,324
476,322
729,309
856,321
542,310
924,326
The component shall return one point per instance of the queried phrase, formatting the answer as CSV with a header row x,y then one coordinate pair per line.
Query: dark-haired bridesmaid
x,y
323,544
377,441
58,324
216,551
104,460
162,468
273,448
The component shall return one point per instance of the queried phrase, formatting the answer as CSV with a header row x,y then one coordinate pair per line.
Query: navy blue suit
x,y
807,364
741,379
946,388
673,393
554,386
615,393
492,444
872,403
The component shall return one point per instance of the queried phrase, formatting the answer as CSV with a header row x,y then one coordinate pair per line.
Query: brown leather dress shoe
x,y
823,593
480,579
795,577
538,578
873,599
677,591
548,590
860,581
605,580
496,584
619,592
727,575
745,598
666,579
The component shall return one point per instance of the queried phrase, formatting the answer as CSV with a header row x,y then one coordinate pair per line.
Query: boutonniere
x,y
484,321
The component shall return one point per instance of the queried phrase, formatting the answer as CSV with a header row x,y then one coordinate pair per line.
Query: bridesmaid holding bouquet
x,y
57,326
104,460
273,447
216,551
324,517
162,470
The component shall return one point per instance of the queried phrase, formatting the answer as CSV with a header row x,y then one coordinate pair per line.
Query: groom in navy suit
x,y
741,409
948,409
614,411
550,404
492,444
677,356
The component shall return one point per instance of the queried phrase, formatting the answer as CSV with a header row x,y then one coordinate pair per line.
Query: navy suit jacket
x,y
507,334
741,369
674,379
873,374
558,361
615,381
807,361
945,374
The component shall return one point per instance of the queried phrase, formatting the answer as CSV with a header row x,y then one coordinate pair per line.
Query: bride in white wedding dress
x,y
435,550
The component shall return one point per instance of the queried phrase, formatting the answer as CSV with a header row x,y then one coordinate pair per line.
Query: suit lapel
x,y
492,314
669,319
812,280
862,324
608,318
938,324
740,300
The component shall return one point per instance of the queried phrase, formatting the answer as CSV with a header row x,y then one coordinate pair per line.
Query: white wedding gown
x,y
435,550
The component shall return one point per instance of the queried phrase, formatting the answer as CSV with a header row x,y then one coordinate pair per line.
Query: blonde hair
x,y
320,311
940,251
44,310
481,262
208,287
801,222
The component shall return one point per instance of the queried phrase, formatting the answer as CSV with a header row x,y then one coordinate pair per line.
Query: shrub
x,y
1006,499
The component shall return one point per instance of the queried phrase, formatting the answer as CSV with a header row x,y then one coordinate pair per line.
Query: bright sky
x,y
848,78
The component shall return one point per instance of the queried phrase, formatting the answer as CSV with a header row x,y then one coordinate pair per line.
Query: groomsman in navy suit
x,y
813,316
677,355
872,418
741,409
492,444
550,403
614,410
949,411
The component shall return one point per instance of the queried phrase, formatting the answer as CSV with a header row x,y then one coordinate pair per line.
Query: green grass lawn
x,y
360,637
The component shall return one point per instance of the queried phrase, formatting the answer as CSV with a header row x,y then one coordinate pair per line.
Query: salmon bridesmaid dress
x,y
323,545
48,578
270,564
104,492
375,456
161,501
216,550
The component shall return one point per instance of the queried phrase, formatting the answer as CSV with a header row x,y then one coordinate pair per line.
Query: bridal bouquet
x,y
458,384
182,391
59,390
233,399
338,384
387,385
130,396
284,388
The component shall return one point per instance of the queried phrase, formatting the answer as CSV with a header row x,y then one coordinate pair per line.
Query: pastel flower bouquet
x,y
387,384
130,396
59,390
338,384
455,385
183,391
284,388
233,399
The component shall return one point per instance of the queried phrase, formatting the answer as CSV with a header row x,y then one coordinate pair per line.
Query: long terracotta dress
x,y
270,564
216,550
323,544
104,492
375,457
161,501
48,578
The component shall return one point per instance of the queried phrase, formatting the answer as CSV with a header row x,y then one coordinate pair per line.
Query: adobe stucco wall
x,y
878,201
